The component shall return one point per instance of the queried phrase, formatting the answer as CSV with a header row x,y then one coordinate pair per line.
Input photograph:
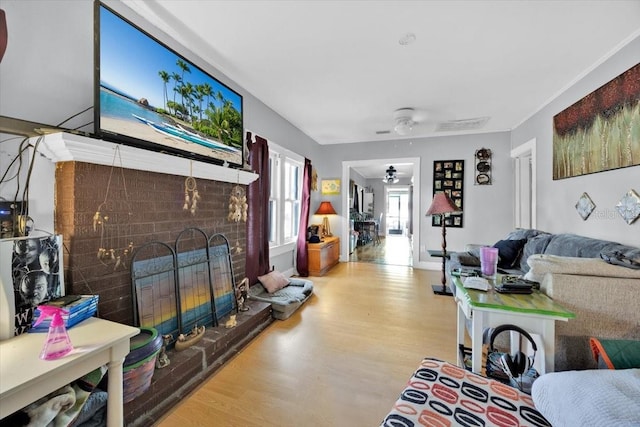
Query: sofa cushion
x,y
523,233
572,245
509,252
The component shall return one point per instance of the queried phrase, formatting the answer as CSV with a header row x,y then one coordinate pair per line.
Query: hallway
x,y
392,250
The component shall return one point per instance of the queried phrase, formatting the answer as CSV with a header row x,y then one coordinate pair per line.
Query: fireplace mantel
x,y
67,147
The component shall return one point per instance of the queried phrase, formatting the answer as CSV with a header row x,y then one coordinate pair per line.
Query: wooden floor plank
x,y
342,359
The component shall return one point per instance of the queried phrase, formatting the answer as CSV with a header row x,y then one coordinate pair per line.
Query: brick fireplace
x,y
140,196
153,212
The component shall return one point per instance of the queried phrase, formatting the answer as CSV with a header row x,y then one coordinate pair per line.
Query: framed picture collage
x,y
448,177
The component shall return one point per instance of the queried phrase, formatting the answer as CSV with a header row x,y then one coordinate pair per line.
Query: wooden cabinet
x,y
323,256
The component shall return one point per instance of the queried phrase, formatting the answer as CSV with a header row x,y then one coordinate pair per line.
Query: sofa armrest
x,y
540,264
604,308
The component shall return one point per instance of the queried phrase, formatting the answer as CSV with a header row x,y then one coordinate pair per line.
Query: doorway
x,y
397,210
413,198
524,158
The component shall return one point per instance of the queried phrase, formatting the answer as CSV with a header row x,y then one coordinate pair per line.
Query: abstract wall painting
x,y
601,131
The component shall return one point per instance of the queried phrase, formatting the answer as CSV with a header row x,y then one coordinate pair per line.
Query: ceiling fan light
x,y
403,126
390,177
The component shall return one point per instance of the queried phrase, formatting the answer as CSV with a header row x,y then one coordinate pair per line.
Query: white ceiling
x,y
336,69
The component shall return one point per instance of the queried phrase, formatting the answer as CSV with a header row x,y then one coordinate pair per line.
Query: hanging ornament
x,y
238,209
237,205
115,248
314,179
191,195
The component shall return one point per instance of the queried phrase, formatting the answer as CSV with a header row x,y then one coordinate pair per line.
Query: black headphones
x,y
518,363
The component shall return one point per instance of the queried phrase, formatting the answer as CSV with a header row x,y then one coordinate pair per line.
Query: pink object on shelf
x,y
57,343
489,261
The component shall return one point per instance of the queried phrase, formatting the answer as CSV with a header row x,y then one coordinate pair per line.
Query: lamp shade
x,y
325,208
442,204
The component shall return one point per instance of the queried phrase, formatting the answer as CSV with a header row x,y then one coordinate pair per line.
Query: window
x,y
285,169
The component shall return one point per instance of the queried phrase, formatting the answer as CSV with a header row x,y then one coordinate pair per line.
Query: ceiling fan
x,y
407,120
404,121
390,176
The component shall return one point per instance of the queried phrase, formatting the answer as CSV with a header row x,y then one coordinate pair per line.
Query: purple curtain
x,y
302,260
257,259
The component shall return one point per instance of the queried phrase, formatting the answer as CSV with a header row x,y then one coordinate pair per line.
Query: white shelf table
x,y
25,378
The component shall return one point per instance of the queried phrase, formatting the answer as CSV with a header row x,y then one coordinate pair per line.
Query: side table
x,y
437,253
323,256
536,313
96,342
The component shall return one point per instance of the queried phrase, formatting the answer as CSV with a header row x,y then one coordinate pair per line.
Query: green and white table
x,y
536,313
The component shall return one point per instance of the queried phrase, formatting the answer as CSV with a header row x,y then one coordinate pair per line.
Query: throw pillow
x,y
509,252
468,259
273,281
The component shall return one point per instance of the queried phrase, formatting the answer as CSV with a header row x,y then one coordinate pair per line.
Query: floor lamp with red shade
x,y
441,205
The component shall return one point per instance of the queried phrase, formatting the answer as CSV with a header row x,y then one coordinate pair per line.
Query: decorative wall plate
x,y
483,154
483,166
483,179
585,206
629,206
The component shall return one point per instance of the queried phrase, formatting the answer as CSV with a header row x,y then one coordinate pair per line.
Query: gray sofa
x,y
571,270
539,242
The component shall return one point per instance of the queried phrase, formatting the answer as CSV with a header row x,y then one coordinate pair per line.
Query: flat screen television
x,y
149,96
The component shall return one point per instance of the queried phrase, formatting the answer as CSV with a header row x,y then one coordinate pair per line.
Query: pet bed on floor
x,y
285,301
439,393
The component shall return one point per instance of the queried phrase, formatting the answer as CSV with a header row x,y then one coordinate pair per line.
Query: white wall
x,y
556,211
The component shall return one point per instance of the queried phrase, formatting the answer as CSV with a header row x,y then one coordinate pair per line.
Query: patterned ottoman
x,y
442,394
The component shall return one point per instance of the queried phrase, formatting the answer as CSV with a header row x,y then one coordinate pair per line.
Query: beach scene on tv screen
x,y
150,93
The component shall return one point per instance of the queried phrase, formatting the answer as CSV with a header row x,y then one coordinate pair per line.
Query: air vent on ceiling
x,y
383,132
464,124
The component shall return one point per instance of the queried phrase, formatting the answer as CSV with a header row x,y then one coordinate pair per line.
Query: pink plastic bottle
x,y
57,343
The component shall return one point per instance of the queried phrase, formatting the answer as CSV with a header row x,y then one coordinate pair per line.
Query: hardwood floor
x,y
340,360
392,250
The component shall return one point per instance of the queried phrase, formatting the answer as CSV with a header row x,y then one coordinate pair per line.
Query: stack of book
x,y
79,308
